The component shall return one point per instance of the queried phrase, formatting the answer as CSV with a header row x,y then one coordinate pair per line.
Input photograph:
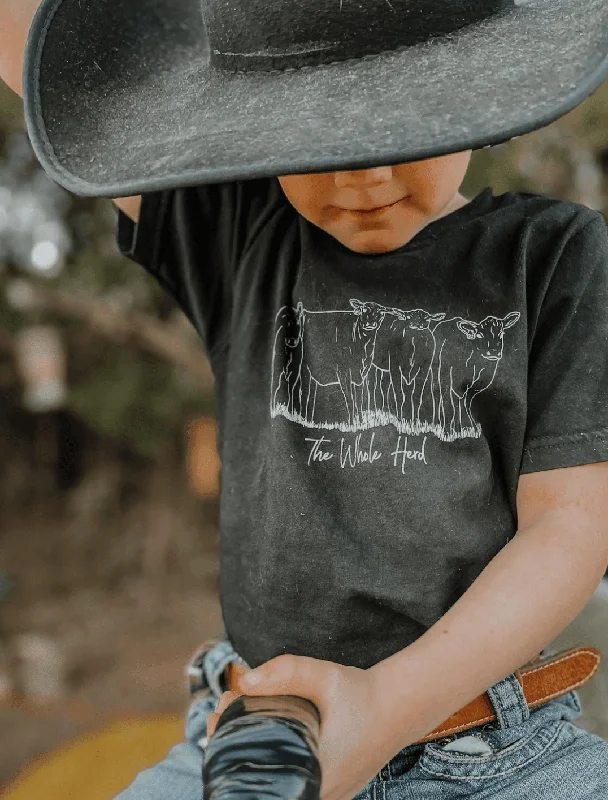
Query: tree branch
x,y
124,326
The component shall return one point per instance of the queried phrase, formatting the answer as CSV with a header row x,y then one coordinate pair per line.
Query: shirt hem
x,y
571,450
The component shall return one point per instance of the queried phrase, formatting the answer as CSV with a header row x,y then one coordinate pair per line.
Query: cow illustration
x,y
465,363
287,360
403,355
339,349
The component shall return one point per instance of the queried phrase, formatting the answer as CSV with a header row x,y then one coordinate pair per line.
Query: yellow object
x,y
100,764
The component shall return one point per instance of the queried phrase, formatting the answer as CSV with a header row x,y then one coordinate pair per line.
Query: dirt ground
x,y
124,656
125,635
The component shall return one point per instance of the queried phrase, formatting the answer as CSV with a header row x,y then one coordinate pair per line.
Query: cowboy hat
x,y
124,97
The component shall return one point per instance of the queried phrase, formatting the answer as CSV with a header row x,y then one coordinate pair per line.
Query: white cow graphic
x,y
465,363
287,359
346,340
375,365
402,361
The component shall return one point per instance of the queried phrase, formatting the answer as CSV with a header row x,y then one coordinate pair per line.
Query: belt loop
x,y
509,702
205,669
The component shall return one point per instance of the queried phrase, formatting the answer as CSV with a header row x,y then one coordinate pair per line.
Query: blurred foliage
x,y
141,399
567,159
118,388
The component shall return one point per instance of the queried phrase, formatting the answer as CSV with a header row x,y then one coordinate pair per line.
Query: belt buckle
x,y
195,671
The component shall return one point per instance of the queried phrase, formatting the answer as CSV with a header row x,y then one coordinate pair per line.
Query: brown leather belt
x,y
542,680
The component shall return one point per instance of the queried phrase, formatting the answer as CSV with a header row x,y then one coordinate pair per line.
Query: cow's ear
x,y
510,320
468,328
436,317
357,306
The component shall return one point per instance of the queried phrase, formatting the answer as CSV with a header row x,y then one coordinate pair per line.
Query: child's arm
x,y
534,587
15,22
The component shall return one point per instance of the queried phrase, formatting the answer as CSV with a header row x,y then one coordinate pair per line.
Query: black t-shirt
x,y
375,411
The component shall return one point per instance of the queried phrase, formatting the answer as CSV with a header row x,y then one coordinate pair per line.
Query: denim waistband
x,y
205,669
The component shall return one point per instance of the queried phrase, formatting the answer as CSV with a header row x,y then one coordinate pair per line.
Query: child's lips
x,y
374,211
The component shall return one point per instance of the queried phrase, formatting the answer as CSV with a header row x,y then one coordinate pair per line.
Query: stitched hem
x,y
570,450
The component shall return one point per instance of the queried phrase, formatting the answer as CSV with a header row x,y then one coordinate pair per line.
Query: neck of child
x,y
458,201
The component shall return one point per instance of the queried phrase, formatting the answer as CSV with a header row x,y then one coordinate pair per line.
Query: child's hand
x,y
353,745
212,719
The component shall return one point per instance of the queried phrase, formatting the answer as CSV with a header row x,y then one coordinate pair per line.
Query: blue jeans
x,y
526,754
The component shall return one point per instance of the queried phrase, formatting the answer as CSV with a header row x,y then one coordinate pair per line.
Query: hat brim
x,y
120,98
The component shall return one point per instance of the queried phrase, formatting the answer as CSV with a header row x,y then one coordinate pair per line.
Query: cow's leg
x,y
295,393
366,394
293,373
314,387
407,406
348,389
458,400
298,397
452,414
458,421
309,391
366,400
467,406
449,404
345,394
440,401
356,400
396,393
379,393
418,390
377,387
445,398
288,389
277,392
296,389
425,407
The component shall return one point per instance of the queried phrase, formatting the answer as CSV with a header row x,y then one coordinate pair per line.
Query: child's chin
x,y
367,244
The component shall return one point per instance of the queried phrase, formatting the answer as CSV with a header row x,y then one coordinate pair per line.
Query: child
x,y
411,385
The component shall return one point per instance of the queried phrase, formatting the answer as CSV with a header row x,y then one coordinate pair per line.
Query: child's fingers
x,y
212,724
224,702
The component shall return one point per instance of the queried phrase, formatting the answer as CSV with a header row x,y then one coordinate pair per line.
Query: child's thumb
x,y
255,680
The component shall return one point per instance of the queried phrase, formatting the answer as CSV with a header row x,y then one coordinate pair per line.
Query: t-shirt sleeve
x,y
191,241
567,423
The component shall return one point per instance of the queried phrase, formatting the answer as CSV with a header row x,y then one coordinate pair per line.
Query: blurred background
x,y
109,471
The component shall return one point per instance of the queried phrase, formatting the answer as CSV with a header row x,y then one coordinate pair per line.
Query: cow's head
x,y
488,334
370,314
291,321
417,319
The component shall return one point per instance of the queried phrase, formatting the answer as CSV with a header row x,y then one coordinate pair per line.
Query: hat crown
x,y
282,34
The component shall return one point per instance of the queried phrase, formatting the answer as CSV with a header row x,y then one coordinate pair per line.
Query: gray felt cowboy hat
x,y
130,96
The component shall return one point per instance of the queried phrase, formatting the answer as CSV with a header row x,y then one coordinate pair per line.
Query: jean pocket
x,y
477,755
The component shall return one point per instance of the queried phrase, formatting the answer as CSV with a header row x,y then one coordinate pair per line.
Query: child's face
x,y
422,191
